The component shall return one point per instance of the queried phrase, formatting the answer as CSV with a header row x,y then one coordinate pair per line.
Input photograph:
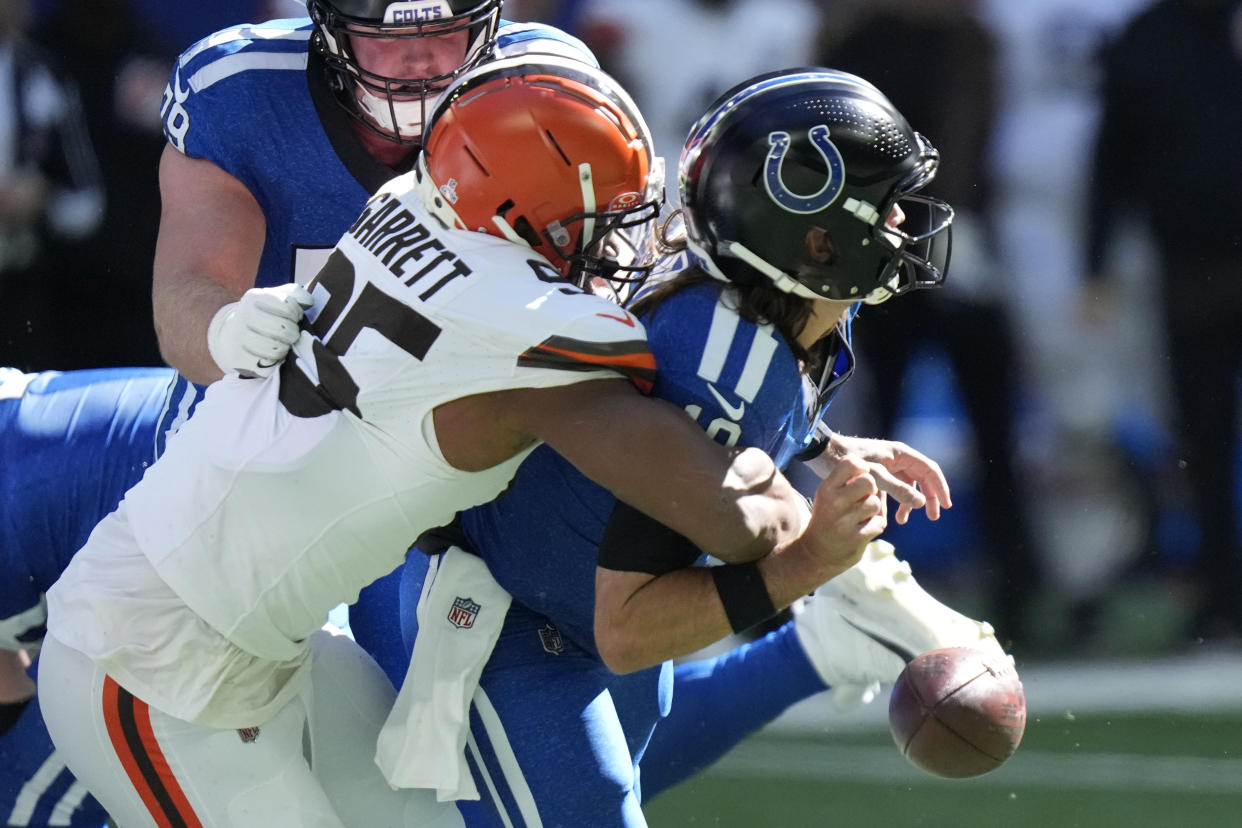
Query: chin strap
x,y
587,180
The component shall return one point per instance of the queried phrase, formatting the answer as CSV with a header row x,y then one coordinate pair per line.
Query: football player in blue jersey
x,y
72,443
800,193
176,672
277,135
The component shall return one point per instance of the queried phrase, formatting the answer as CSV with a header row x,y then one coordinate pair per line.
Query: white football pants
x,y
309,766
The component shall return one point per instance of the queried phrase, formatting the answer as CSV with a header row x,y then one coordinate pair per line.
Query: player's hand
x,y
847,514
910,477
252,335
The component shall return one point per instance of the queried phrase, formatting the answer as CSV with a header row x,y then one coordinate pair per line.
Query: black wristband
x,y
743,594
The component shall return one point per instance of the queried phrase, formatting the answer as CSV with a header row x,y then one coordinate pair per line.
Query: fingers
x,y
906,494
277,329
912,471
846,469
301,296
848,513
922,471
852,492
274,314
253,335
283,301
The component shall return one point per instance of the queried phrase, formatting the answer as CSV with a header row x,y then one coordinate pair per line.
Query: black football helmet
x,y
394,107
790,153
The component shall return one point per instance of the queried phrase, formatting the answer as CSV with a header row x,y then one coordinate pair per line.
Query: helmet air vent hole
x,y
524,229
557,146
477,162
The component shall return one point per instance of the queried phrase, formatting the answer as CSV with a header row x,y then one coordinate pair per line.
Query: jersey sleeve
x,y
514,39
516,309
72,443
737,379
609,338
217,105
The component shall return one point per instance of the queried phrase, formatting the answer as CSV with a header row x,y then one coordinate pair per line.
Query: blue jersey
x,y
254,100
739,380
547,708
70,446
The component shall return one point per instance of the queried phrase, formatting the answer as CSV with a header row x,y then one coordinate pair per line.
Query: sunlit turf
x,y
1131,771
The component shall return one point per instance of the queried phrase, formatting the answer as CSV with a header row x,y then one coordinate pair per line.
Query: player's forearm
x,y
734,505
680,612
212,233
183,308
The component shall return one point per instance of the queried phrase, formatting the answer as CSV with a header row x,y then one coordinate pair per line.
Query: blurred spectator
x,y
563,14
937,61
1167,146
103,45
676,56
50,187
1047,110
177,25
1092,396
119,53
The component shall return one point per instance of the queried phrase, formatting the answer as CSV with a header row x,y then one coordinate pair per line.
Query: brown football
x,y
957,712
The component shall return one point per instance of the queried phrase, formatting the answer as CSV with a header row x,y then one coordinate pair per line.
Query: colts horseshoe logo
x,y
786,198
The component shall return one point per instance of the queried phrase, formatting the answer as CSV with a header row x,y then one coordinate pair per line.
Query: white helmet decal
x,y
416,11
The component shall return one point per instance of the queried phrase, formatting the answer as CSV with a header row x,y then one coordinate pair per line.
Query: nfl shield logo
x,y
248,734
551,639
463,613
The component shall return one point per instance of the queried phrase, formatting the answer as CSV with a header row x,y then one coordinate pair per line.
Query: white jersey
x,y
282,498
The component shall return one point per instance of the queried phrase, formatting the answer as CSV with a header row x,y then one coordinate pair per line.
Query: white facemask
x,y
409,113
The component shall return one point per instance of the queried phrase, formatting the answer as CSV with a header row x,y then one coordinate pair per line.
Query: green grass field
x,y
1136,770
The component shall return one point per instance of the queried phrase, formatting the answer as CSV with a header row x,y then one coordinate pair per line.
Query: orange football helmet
x,y
548,152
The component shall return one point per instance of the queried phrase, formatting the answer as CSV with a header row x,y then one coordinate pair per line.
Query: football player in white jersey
x,y
177,673
277,134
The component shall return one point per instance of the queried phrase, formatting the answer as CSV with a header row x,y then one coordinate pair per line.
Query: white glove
x,y
252,335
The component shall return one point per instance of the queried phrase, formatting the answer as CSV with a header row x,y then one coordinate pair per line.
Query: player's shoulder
x,y
516,288
472,279
251,51
518,309
682,323
699,334
13,383
515,39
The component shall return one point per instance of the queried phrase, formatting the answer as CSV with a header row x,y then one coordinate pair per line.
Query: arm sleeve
x,y
633,542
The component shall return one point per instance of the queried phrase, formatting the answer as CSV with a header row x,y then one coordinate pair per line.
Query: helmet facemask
x,y
616,247
922,242
396,108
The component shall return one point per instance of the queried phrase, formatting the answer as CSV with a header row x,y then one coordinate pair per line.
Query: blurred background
x,y
1077,378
